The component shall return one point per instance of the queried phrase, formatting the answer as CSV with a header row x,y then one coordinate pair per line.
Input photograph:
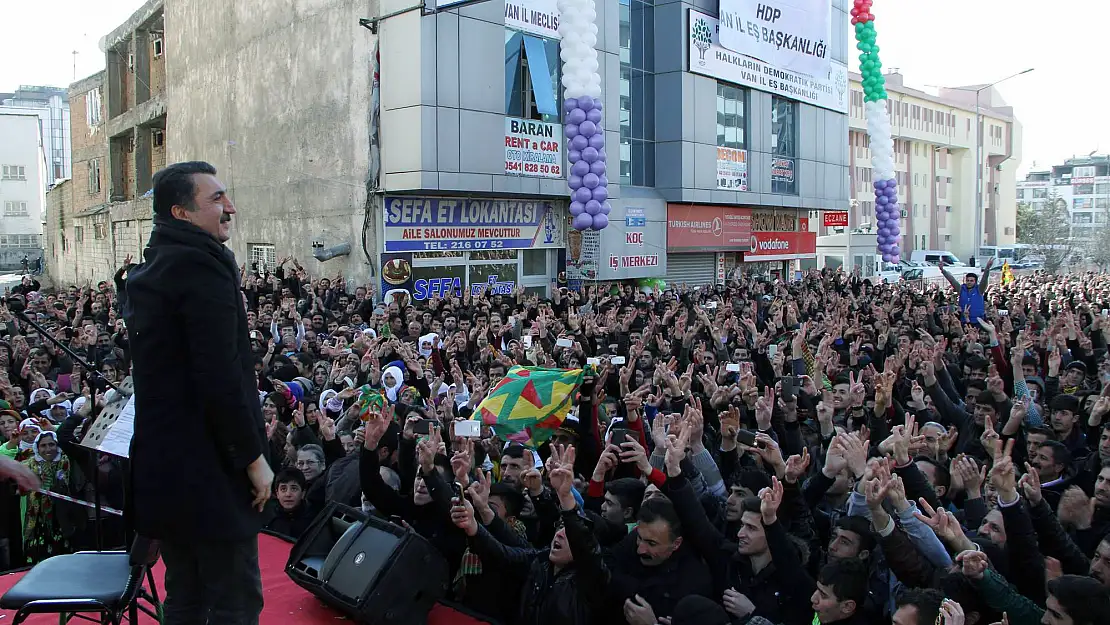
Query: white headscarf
x,y
324,397
398,378
28,423
36,444
31,399
78,403
432,338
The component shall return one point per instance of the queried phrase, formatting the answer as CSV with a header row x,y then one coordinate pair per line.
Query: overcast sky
x,y
1062,104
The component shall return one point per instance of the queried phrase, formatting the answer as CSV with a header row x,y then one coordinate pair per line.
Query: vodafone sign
x,y
767,246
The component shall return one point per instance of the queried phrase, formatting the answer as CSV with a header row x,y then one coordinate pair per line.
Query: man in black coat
x,y
200,477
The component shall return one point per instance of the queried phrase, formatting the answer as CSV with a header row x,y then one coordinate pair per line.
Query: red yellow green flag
x,y
1007,273
529,403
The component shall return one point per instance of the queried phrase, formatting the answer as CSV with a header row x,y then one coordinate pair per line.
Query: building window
x,y
13,172
78,234
19,240
158,47
784,135
1102,202
637,92
157,138
1041,194
100,230
92,107
731,118
94,176
1083,189
531,77
15,209
263,257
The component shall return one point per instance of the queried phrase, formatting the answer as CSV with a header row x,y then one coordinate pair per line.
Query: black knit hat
x,y
1065,402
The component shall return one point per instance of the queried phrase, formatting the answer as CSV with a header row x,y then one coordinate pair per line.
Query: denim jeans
x,y
212,582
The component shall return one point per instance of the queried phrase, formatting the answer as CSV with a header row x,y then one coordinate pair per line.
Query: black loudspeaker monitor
x,y
369,569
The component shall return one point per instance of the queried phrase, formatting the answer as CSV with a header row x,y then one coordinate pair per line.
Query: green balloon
x,y
860,27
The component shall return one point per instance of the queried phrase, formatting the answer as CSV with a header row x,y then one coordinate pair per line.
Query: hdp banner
x,y
1007,273
530,403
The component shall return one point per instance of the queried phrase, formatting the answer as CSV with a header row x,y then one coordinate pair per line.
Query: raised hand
x,y
796,466
462,515
973,563
560,472
770,498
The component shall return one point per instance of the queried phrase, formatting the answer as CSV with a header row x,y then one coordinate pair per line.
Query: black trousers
x,y
212,582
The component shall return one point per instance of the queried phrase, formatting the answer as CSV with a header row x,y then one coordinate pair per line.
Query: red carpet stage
x,y
285,601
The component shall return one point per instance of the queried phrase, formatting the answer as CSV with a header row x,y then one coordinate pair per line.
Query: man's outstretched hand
x,y
19,473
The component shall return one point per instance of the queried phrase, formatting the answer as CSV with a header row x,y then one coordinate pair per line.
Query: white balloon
x,y
590,39
592,28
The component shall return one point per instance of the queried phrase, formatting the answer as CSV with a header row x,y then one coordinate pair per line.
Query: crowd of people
x,y
755,452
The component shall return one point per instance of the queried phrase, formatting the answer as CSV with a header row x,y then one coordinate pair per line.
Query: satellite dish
x,y
103,44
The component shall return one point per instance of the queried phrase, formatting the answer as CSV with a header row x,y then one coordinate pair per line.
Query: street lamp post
x,y
978,234
979,162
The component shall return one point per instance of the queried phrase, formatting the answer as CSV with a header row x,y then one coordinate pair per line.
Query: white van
x,y
954,265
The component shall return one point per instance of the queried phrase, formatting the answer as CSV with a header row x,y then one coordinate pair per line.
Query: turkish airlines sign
x,y
767,246
703,227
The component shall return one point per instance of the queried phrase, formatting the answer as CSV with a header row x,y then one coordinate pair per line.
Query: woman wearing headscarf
x,y
42,528
22,446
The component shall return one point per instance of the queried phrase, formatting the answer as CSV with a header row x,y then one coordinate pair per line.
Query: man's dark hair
x,y
1085,599
943,475
629,492
926,600
661,509
1060,453
977,363
513,499
173,186
514,450
1048,433
290,475
847,578
860,527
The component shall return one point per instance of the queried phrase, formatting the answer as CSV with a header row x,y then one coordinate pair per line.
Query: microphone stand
x,y
17,309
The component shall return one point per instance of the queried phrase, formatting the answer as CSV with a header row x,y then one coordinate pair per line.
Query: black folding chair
x,y
107,583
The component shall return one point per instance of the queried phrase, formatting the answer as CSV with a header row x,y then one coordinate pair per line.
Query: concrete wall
x,y
20,145
281,109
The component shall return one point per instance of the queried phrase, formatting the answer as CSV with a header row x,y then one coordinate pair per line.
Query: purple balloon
x,y
606,207
593,207
577,208
597,141
600,221
892,183
600,194
571,131
893,206
583,221
570,104
582,195
603,177
579,143
601,154
895,231
882,200
586,104
587,129
577,116
589,155
597,103
590,181
574,156
574,182
879,184
597,167
581,168
593,115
